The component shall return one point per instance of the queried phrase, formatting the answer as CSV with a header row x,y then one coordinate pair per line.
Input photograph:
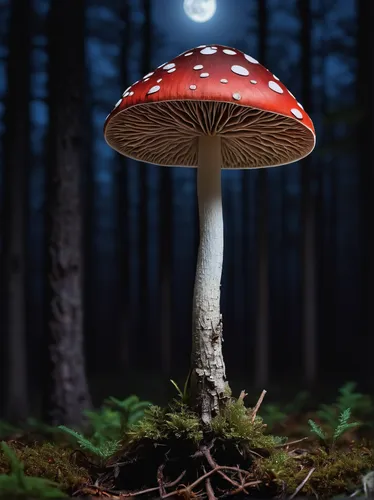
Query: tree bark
x,y
16,165
309,285
66,393
262,310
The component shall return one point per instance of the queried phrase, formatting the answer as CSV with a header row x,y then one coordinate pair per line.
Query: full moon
x,y
200,11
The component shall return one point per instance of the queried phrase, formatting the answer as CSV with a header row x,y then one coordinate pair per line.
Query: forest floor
x,y
138,450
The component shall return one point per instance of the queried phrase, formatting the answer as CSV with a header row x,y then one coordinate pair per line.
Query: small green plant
x,y
274,414
360,404
342,426
184,395
17,484
103,451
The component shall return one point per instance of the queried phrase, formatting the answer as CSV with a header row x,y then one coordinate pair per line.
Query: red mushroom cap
x,y
210,90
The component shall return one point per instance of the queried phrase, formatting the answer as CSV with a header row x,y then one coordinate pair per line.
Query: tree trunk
x,y
123,212
365,134
262,320
309,294
66,393
144,191
17,159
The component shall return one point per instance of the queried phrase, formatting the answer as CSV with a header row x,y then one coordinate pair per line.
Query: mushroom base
x,y
209,389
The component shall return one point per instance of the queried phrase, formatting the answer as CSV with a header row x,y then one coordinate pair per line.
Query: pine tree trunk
x,y
144,191
309,285
262,293
66,393
125,313
17,163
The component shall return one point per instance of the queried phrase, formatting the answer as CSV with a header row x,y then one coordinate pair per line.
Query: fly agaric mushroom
x,y
212,107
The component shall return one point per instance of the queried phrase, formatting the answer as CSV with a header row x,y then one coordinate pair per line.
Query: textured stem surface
x,y
208,378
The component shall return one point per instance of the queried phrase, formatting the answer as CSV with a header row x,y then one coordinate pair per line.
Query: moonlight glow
x,y
200,11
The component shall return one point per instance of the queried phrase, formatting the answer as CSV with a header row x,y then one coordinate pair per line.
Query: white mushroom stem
x,y
208,378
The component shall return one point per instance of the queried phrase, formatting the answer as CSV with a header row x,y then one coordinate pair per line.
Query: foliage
x,y
184,395
115,418
103,451
274,414
337,431
109,424
17,484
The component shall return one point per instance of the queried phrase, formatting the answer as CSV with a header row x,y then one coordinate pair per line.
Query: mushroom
x,y
211,107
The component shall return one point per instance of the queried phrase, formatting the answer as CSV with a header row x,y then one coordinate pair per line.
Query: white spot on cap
x,y
131,93
126,94
236,96
171,70
300,105
204,75
297,113
275,87
169,66
251,59
148,75
275,77
118,103
214,47
239,70
253,81
126,91
145,79
198,66
154,89
208,51
199,46
223,80
188,54
193,87
229,52
159,80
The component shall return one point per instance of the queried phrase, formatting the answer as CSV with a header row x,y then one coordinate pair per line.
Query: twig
x,y
289,443
189,488
302,484
258,404
160,480
242,395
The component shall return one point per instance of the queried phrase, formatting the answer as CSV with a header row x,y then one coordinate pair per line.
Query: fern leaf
x,y
316,429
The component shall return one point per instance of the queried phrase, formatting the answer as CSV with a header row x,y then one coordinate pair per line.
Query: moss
x,y
335,473
49,461
176,421
235,423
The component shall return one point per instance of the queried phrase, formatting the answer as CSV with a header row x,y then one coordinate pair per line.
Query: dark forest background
x,y
297,287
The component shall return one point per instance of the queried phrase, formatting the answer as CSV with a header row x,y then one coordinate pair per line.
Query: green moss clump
x,y
335,473
176,421
49,461
234,423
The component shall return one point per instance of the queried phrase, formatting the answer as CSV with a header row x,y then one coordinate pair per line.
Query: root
x,y
237,480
